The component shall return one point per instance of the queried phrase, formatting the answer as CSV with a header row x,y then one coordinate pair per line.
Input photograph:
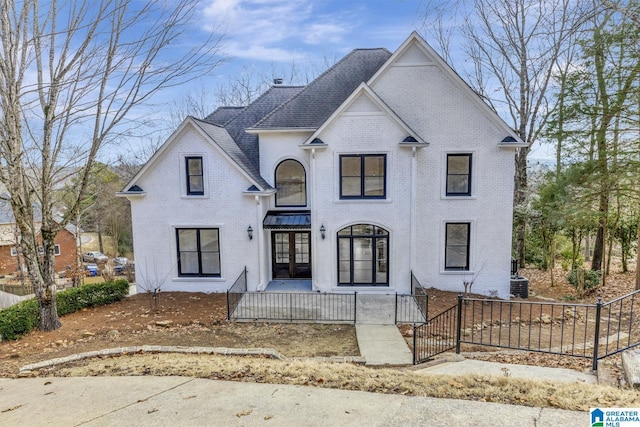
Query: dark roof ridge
x,y
327,71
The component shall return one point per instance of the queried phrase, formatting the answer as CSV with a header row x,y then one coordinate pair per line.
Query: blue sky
x,y
268,34
270,31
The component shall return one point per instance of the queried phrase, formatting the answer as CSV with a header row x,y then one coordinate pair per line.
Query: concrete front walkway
x,y
379,339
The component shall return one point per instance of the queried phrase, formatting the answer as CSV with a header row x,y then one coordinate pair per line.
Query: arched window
x,y
291,184
363,256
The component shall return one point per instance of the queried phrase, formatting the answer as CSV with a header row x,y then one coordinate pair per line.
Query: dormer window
x,y
195,179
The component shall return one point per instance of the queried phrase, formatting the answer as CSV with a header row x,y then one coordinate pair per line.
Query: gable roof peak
x,y
318,100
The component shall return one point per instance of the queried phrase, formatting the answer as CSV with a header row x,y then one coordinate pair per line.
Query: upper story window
x,y
362,176
458,175
291,184
198,251
195,180
457,238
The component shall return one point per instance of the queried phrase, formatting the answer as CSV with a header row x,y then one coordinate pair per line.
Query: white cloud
x,y
271,30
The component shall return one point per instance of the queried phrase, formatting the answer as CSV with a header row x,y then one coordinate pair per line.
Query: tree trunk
x,y
49,320
638,258
598,247
520,193
100,237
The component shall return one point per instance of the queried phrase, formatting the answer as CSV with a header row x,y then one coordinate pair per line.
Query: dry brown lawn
x,y
193,319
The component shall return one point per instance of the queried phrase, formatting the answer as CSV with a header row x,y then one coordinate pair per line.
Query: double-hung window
x,y
458,175
195,178
457,238
362,176
198,252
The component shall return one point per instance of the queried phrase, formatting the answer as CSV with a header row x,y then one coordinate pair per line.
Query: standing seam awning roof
x,y
288,220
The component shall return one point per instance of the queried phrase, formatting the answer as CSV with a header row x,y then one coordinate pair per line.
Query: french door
x,y
291,254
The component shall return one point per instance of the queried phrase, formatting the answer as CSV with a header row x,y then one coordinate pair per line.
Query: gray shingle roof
x,y
320,98
6,212
222,138
222,115
288,107
267,102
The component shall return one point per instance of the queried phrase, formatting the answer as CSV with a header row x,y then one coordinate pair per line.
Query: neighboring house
x,y
384,165
65,241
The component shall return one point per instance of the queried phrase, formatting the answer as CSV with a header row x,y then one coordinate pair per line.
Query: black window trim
x,y
468,245
199,274
374,238
187,175
362,181
469,175
275,182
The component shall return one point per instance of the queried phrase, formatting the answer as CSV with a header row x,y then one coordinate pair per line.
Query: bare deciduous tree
x,y
513,47
71,76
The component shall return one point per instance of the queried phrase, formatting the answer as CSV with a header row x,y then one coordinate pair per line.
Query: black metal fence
x,y
592,331
412,308
296,306
438,335
235,293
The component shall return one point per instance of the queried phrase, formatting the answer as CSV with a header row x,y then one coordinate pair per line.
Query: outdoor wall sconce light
x,y
250,232
323,232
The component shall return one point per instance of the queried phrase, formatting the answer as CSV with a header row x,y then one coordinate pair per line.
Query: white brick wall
x,y
165,207
436,109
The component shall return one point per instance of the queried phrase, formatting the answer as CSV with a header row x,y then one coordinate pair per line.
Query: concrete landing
x,y
376,309
383,345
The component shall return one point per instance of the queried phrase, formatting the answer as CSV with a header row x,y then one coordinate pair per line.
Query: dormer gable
x,y
416,52
363,101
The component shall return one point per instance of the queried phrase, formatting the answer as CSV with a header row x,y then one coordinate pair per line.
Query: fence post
x,y
596,339
396,310
415,341
458,323
228,307
355,307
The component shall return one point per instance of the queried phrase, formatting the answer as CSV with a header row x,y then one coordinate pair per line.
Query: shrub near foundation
x,y
23,317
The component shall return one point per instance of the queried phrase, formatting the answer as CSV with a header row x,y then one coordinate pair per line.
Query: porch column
x,y
260,239
412,208
314,222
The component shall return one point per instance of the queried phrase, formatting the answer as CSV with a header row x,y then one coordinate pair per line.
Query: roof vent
x,y
278,81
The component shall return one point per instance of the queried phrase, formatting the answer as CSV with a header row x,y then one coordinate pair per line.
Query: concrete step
x,y
631,365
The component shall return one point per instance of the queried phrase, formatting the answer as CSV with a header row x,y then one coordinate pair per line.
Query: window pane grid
x,y
195,178
363,255
457,246
290,182
458,175
198,252
362,176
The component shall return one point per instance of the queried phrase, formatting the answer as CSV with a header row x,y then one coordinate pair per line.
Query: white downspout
x,y
412,208
259,237
314,226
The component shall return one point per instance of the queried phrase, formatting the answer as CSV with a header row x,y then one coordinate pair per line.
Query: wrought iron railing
x,y
297,306
592,331
439,334
235,293
412,308
619,325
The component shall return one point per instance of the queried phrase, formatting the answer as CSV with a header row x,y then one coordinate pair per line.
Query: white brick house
x,y
384,165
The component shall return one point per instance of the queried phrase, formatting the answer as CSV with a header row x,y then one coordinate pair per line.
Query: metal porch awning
x,y
293,220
